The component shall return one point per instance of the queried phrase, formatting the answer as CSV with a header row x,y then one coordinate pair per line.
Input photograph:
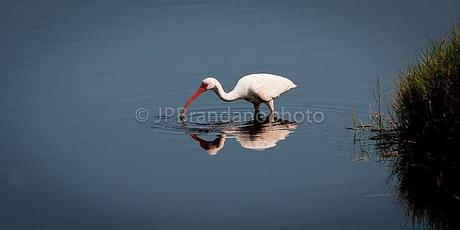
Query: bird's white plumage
x,y
264,86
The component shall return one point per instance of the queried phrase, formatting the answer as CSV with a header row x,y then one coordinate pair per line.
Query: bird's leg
x,y
271,106
256,111
256,108
272,115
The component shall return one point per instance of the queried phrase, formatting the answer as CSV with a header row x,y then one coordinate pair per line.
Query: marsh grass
x,y
426,104
419,134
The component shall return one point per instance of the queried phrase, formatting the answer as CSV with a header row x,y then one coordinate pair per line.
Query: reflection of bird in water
x,y
251,135
212,147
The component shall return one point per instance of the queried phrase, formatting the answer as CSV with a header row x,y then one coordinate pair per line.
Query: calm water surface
x,y
73,74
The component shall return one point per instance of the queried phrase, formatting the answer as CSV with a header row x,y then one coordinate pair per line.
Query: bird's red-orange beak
x,y
195,94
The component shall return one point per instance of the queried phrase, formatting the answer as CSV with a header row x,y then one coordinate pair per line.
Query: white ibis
x,y
255,88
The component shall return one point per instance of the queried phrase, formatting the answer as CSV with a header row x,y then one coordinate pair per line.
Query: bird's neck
x,y
230,96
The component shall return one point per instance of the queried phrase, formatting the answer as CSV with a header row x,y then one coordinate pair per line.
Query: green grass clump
x,y
418,134
425,135
427,100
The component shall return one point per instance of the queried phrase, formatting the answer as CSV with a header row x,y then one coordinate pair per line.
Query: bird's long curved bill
x,y
195,94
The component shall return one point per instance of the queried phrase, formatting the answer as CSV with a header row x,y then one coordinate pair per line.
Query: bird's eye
x,y
204,85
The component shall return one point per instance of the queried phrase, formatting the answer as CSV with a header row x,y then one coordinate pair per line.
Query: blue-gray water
x,y
73,74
